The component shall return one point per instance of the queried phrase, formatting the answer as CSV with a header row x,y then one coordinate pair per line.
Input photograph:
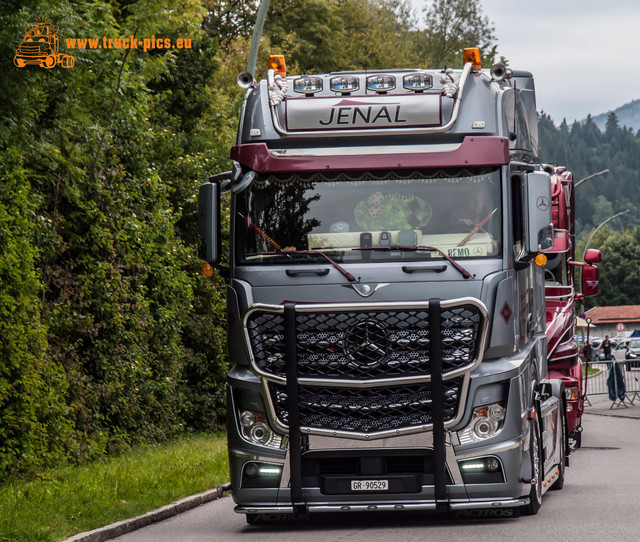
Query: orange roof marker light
x,y
278,65
472,54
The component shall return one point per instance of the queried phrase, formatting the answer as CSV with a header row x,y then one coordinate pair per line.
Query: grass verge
x,y
69,500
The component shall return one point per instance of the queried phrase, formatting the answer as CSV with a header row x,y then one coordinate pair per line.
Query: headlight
x,y
486,422
571,393
256,430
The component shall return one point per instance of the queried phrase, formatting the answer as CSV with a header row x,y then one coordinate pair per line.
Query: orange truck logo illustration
x,y
41,46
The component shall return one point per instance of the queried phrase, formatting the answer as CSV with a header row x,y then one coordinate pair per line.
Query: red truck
x,y
560,296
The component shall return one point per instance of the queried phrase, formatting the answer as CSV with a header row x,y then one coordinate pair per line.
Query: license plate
x,y
369,485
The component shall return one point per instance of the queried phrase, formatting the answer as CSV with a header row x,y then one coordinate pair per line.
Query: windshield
x,y
370,216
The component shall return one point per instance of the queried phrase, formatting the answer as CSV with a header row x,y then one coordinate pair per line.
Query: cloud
x,y
582,53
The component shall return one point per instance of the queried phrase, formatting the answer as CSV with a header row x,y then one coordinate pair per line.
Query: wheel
x,y
19,62
559,483
537,474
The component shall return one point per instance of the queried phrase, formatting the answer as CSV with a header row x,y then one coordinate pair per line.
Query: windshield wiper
x,y
455,264
335,264
285,252
477,227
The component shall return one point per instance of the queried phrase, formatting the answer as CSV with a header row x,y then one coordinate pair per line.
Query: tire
x,y
537,469
559,483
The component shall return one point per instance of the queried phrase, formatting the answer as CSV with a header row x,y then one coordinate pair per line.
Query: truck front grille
x,y
365,344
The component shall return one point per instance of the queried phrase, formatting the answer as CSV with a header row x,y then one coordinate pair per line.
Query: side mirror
x,y
593,256
210,246
538,212
590,277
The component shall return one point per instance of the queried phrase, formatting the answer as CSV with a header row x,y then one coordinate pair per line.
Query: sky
x,y
584,54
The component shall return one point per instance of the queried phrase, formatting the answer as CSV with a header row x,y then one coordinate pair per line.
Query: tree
x,y
585,150
320,36
620,270
453,25
612,124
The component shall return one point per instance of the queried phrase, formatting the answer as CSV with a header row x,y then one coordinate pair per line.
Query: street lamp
x,y
590,177
600,226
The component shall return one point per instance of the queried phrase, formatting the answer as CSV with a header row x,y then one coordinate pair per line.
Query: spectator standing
x,y
606,348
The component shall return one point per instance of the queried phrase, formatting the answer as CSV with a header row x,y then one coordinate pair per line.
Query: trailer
x,y
386,294
560,296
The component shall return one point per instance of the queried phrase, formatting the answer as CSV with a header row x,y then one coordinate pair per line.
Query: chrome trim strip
x,y
484,452
365,150
363,305
375,131
502,503
406,506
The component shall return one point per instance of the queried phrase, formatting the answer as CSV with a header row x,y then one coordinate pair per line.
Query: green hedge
x,y
110,334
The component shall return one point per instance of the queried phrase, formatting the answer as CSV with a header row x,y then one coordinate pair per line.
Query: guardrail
x,y
623,389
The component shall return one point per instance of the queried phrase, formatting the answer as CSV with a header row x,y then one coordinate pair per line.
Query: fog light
x,y
481,465
492,464
482,470
251,469
261,475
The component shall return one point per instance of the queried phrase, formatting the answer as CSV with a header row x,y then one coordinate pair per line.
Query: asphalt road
x,y
599,502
